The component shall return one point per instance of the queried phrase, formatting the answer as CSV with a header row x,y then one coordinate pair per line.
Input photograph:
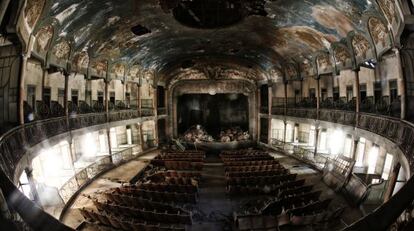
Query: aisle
x,y
215,208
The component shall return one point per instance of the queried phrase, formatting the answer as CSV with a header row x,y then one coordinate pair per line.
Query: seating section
x,y
154,202
287,200
179,160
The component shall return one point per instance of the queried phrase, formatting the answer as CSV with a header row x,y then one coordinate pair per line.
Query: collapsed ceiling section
x,y
165,33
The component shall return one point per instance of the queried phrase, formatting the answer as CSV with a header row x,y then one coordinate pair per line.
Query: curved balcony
x,y
16,142
400,132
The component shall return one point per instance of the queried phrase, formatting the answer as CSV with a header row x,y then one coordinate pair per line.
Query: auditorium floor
x,y
215,208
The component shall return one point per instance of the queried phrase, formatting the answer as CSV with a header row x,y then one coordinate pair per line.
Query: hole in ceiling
x,y
140,30
209,14
187,64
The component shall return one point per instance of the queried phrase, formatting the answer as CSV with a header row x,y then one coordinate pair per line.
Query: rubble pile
x,y
233,134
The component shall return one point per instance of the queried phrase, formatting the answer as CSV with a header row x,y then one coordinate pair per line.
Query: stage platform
x,y
218,146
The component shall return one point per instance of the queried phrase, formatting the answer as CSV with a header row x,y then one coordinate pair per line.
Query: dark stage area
x,y
214,112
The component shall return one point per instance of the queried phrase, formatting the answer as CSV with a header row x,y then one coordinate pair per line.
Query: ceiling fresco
x,y
266,33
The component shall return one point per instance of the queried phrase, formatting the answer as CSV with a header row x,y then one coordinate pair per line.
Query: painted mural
x,y
32,11
61,50
119,70
379,34
362,48
324,63
99,68
43,39
291,71
276,34
342,56
80,62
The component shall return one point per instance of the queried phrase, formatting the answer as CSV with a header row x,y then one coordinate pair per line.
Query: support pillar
x,y
108,134
270,104
318,97
257,113
29,173
88,88
141,136
139,99
355,149
107,99
286,97
358,93
284,131
155,106
66,95
22,94
392,182
402,85
316,140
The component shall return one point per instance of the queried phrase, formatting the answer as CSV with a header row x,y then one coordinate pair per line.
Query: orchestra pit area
x,y
246,189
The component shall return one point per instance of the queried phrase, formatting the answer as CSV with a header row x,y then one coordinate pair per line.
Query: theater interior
x,y
206,115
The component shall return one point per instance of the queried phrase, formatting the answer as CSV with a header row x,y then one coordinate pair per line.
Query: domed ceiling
x,y
158,34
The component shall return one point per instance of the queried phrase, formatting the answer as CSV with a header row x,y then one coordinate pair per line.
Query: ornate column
x,y
139,98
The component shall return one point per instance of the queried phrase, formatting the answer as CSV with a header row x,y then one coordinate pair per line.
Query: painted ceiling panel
x,y
276,32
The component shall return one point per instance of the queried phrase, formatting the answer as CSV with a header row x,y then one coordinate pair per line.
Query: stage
x,y
218,146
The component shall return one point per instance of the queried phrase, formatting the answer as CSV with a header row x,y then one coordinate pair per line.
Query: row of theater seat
x,y
120,199
253,168
250,163
274,189
155,202
244,174
246,158
158,196
292,202
121,223
180,160
165,187
154,215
